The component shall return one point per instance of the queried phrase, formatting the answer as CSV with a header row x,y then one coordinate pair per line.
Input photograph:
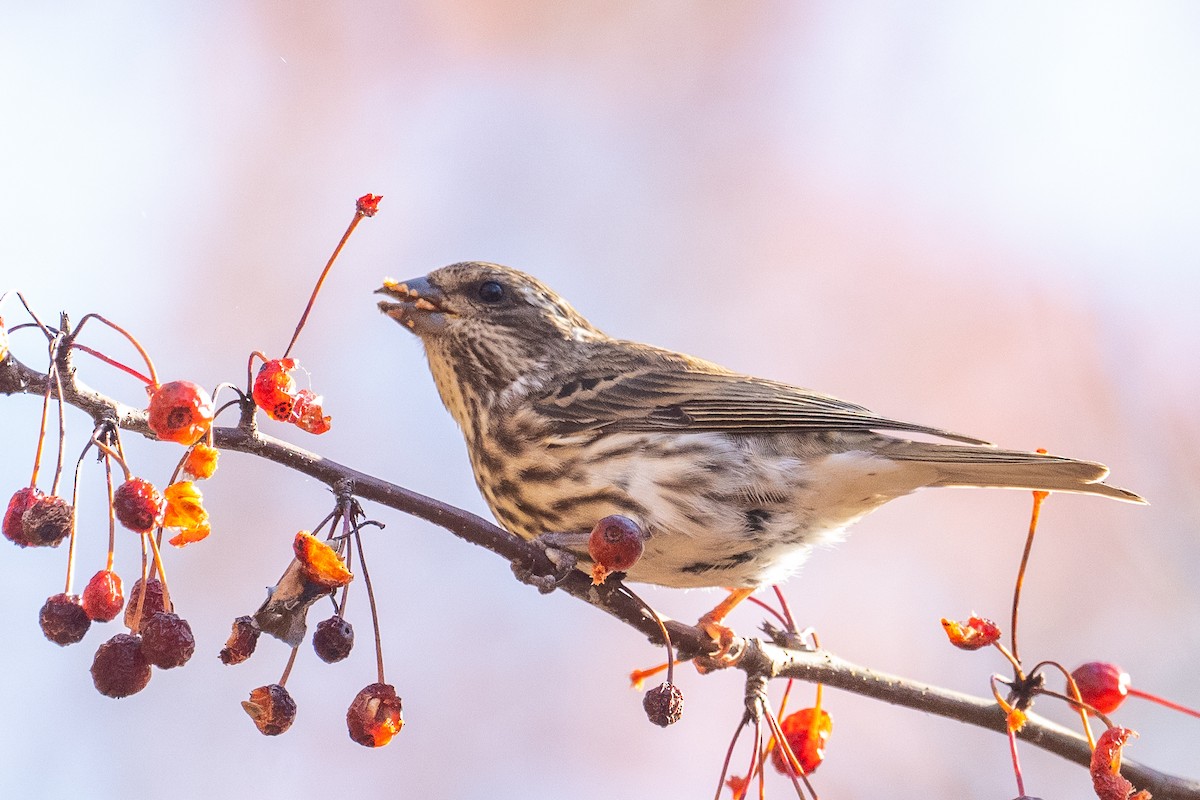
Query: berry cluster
x,y
182,412
318,570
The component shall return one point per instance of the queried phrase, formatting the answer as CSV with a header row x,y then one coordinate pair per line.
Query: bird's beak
x,y
418,306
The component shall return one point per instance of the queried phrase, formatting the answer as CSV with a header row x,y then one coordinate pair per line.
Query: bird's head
x,y
486,322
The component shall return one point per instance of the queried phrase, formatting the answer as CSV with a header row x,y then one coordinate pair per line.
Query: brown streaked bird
x,y
733,478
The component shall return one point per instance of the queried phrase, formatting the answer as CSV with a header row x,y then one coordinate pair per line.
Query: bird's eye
x,y
490,292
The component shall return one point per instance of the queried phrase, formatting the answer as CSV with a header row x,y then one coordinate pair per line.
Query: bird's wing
x,y
669,392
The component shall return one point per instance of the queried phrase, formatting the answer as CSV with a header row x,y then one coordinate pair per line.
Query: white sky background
x,y
980,216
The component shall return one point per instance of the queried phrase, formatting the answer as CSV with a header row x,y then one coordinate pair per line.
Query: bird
x,y
732,479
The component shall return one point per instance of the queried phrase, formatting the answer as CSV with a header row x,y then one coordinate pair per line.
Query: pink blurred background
x,y
970,216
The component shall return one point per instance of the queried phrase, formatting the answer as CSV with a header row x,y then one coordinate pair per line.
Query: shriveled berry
x,y
374,715
139,506
48,521
21,501
179,411
307,413
272,709
1102,685
120,667
333,639
150,605
102,597
167,640
663,704
616,544
275,389
807,732
63,619
201,461
973,634
242,641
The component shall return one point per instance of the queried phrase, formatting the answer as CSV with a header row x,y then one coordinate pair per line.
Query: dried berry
x,y
367,205
807,732
22,501
179,411
275,389
102,598
1107,780
319,562
201,461
185,511
139,506
307,413
272,709
150,605
973,634
615,545
241,643
63,619
663,704
167,640
333,639
374,715
1102,686
120,667
48,521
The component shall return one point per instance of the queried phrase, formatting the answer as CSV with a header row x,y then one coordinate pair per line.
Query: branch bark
x,y
757,657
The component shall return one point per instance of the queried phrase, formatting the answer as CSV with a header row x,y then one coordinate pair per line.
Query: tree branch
x,y
756,657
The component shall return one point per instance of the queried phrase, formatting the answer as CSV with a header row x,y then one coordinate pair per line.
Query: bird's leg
x,y
710,623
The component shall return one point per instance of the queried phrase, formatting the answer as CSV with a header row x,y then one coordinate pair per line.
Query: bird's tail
x,y
958,465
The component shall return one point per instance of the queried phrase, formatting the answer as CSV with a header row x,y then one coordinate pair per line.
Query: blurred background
x,y
977,216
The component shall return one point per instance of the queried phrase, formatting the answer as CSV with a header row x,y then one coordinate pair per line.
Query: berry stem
x,y
787,611
153,381
41,441
772,611
358,215
62,432
112,362
112,517
1038,499
114,455
795,771
1162,701
162,574
362,561
287,670
1075,699
737,732
74,520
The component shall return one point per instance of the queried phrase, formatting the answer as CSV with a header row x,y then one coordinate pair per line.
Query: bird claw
x,y
729,647
564,563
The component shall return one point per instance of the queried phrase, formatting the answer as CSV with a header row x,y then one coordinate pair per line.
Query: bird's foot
x,y
562,559
729,647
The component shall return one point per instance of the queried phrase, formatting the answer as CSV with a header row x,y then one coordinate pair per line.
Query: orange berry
x,y
807,732
275,389
179,411
973,634
201,461
319,562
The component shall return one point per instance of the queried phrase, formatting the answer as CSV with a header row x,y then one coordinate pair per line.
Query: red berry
x,y
333,639
63,619
150,605
179,411
807,732
1102,686
242,641
102,598
616,544
48,521
272,709
275,389
22,501
120,667
139,506
374,715
167,640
